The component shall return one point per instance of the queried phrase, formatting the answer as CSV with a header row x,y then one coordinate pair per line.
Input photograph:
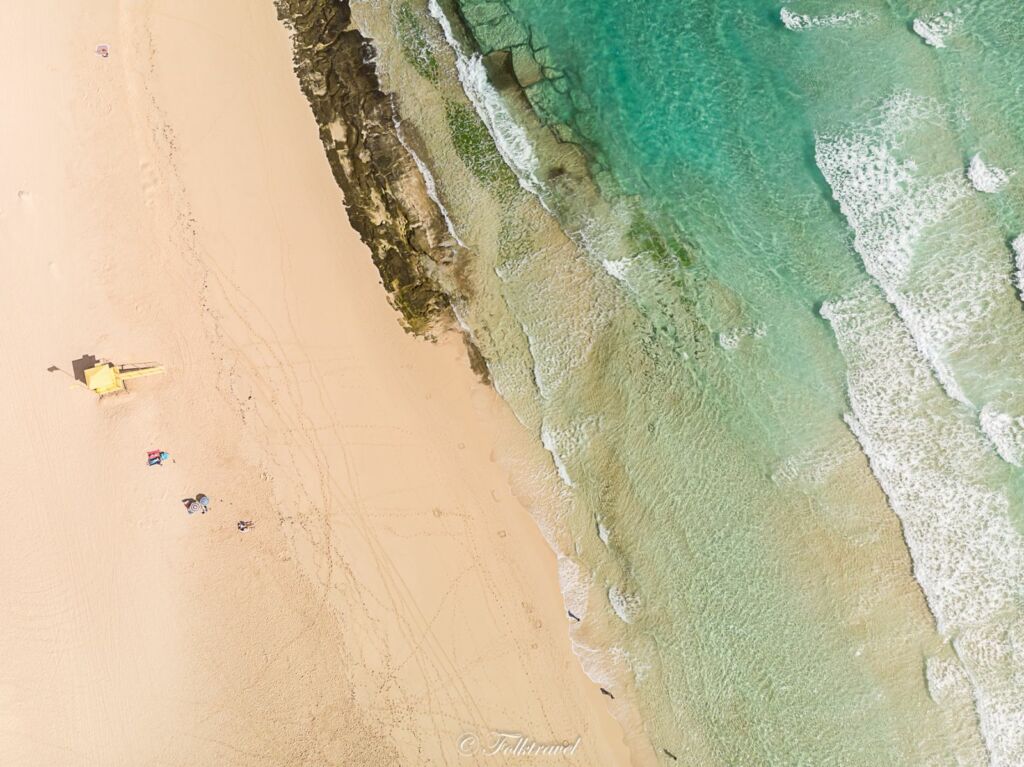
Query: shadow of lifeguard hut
x,y
83,363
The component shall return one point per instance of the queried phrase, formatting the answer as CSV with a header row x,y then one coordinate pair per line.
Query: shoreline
x,y
390,193
466,165
394,594
635,232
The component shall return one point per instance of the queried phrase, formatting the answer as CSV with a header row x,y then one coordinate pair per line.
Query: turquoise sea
x,y
777,361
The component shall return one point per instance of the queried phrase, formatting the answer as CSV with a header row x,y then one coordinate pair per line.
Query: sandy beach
x,y
394,602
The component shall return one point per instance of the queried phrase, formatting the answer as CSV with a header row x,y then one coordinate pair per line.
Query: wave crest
x,y
935,29
986,178
800,21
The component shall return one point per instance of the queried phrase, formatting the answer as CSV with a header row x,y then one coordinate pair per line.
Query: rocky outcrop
x,y
519,63
516,53
386,196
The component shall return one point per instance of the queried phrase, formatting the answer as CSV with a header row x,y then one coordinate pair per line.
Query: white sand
x,y
172,202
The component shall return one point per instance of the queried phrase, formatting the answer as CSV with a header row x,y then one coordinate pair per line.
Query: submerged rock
x,y
527,70
550,103
493,26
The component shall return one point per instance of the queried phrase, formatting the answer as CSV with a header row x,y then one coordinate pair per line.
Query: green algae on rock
x,y
416,44
493,26
476,149
661,243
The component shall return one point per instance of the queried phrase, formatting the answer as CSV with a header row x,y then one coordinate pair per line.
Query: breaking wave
x,y
509,136
800,21
935,29
933,465
986,178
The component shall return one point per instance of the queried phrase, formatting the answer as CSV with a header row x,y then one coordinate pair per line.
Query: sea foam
x,y
1005,432
624,604
509,136
548,440
617,268
986,178
946,679
952,294
575,585
800,21
931,462
935,29
1018,257
885,199
430,183
730,339
891,205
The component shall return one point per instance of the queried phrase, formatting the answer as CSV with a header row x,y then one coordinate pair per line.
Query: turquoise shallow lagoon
x,y
783,385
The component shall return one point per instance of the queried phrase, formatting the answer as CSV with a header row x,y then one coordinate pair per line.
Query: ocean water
x,y
768,327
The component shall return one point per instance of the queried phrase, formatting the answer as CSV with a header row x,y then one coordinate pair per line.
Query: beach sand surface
x,y
171,202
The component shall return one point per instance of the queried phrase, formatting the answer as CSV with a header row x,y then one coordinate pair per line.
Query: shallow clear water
x,y
793,457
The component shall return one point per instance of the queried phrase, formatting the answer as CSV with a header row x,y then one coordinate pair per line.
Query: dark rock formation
x,y
385,194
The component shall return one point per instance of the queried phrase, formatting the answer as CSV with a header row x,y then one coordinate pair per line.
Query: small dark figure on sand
x,y
198,504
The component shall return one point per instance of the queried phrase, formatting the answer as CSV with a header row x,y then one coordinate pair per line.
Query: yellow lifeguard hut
x,y
108,378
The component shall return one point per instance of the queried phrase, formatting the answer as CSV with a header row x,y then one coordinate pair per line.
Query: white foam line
x,y
1005,432
575,587
548,440
616,268
625,605
428,180
538,378
931,462
800,21
509,137
889,207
